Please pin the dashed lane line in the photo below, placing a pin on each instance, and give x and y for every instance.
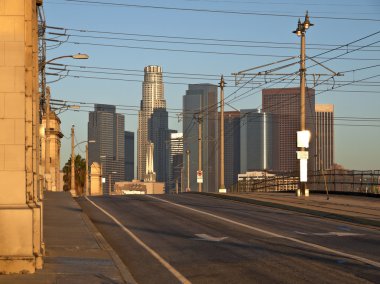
(319, 247)
(170, 268)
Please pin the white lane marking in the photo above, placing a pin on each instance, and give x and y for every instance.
(322, 248)
(176, 273)
(337, 234)
(206, 237)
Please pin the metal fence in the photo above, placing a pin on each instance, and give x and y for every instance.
(364, 182)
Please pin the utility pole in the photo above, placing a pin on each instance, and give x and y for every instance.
(188, 169)
(301, 32)
(47, 139)
(182, 179)
(87, 192)
(222, 187)
(200, 150)
(176, 185)
(72, 187)
(109, 184)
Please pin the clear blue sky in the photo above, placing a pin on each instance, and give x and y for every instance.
(261, 30)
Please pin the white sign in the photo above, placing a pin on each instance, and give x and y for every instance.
(302, 155)
(303, 170)
(303, 138)
(199, 176)
(103, 180)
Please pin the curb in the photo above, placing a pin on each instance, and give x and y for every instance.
(123, 269)
(334, 216)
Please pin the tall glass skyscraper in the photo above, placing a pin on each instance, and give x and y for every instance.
(106, 127)
(324, 136)
(153, 102)
(201, 98)
(256, 140)
(284, 105)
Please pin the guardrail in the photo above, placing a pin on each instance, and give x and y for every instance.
(363, 182)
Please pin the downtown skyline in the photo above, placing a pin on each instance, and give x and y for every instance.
(356, 105)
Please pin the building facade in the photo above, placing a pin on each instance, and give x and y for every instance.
(257, 141)
(129, 151)
(175, 160)
(159, 136)
(284, 105)
(54, 135)
(231, 147)
(21, 243)
(152, 99)
(324, 136)
(106, 127)
(200, 106)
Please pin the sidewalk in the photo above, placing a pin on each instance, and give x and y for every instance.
(354, 209)
(75, 250)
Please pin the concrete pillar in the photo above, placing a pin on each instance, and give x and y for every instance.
(96, 180)
(21, 245)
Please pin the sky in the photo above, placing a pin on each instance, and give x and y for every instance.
(197, 41)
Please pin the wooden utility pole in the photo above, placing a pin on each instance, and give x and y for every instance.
(222, 187)
(188, 169)
(72, 187)
(200, 150)
(87, 192)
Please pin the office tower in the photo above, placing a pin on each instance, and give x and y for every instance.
(324, 136)
(175, 159)
(256, 140)
(106, 127)
(129, 151)
(158, 135)
(152, 99)
(231, 147)
(284, 104)
(201, 99)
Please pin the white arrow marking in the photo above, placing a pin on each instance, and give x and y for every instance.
(338, 234)
(205, 237)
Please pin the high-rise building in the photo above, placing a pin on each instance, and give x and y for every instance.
(106, 127)
(175, 159)
(231, 147)
(324, 136)
(257, 143)
(284, 104)
(129, 151)
(200, 105)
(158, 135)
(152, 99)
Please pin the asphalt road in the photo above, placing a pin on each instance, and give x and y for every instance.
(201, 239)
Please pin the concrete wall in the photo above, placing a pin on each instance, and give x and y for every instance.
(21, 246)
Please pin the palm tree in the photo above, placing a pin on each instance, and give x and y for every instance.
(80, 174)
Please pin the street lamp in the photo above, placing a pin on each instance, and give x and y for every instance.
(301, 32)
(73, 145)
(47, 109)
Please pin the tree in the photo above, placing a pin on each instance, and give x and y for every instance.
(80, 174)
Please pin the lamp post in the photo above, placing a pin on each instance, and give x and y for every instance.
(222, 188)
(188, 170)
(47, 108)
(73, 145)
(301, 32)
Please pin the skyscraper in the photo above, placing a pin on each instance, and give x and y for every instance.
(284, 104)
(175, 159)
(324, 136)
(106, 127)
(152, 99)
(231, 147)
(129, 151)
(257, 148)
(201, 99)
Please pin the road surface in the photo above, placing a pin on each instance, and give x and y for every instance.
(200, 239)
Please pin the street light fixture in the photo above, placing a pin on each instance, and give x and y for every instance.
(47, 107)
(301, 32)
(73, 145)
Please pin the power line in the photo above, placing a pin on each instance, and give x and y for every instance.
(214, 11)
